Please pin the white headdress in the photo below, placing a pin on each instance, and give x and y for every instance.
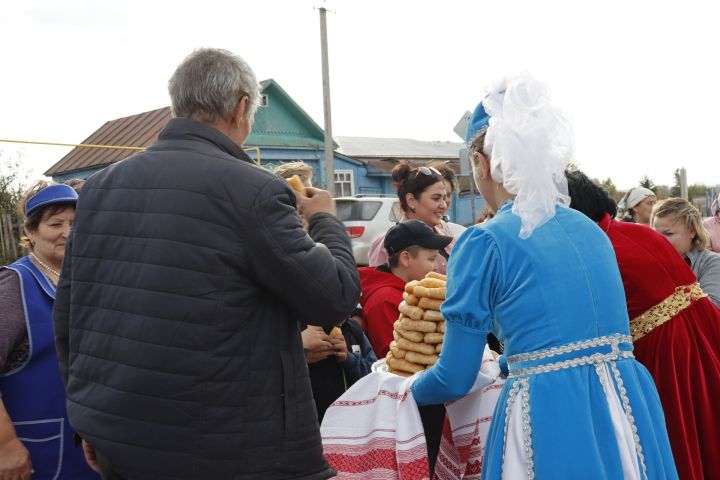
(529, 143)
(634, 196)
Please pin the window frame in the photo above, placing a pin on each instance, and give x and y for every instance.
(337, 182)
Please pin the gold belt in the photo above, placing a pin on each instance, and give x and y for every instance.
(680, 299)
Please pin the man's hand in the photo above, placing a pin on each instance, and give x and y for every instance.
(14, 460)
(90, 457)
(340, 348)
(317, 342)
(317, 201)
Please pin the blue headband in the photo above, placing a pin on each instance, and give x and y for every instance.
(51, 195)
(478, 120)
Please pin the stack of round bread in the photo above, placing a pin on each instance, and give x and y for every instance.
(419, 331)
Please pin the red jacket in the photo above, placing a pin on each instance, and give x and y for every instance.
(381, 294)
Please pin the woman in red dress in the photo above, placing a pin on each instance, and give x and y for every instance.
(675, 329)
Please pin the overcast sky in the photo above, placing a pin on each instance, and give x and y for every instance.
(639, 79)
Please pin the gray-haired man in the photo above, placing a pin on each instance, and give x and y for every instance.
(176, 317)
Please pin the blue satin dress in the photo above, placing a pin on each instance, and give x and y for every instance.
(576, 404)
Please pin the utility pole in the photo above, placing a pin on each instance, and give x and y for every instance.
(683, 183)
(329, 160)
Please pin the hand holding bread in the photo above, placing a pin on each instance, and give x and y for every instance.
(316, 201)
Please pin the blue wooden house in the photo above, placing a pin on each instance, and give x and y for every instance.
(384, 153)
(282, 132)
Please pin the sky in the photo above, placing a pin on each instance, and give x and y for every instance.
(638, 79)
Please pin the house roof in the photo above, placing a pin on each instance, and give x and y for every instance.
(283, 123)
(138, 130)
(399, 148)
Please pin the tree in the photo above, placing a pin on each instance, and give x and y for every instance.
(649, 184)
(697, 190)
(608, 186)
(675, 189)
(13, 178)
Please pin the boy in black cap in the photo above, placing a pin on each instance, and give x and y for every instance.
(412, 247)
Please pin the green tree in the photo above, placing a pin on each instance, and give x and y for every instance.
(649, 184)
(675, 189)
(608, 186)
(13, 179)
(697, 190)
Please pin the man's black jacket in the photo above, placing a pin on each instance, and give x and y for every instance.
(176, 315)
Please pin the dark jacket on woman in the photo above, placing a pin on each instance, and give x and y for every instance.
(176, 315)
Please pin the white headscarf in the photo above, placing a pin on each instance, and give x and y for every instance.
(530, 143)
(634, 196)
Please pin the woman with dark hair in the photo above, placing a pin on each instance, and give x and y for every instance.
(675, 329)
(541, 276)
(34, 429)
(451, 187)
(423, 196)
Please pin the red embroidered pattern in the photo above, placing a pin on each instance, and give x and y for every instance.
(369, 401)
(409, 464)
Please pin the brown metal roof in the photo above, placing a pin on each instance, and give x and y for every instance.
(387, 164)
(139, 130)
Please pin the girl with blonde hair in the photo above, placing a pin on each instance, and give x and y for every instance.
(680, 222)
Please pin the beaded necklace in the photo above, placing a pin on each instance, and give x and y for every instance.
(45, 265)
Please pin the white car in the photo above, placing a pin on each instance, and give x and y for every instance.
(366, 218)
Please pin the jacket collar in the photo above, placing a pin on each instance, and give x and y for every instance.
(183, 128)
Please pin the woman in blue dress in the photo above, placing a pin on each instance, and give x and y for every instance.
(544, 279)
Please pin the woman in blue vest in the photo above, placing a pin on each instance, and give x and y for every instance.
(35, 437)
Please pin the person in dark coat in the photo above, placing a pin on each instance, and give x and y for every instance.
(337, 357)
(343, 356)
(177, 312)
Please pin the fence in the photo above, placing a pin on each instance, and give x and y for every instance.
(9, 234)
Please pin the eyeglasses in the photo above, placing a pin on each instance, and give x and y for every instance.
(262, 101)
(428, 171)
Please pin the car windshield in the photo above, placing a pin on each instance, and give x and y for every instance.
(354, 210)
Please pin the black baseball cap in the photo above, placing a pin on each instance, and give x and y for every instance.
(414, 232)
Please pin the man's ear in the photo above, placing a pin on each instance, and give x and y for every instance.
(404, 260)
(240, 110)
